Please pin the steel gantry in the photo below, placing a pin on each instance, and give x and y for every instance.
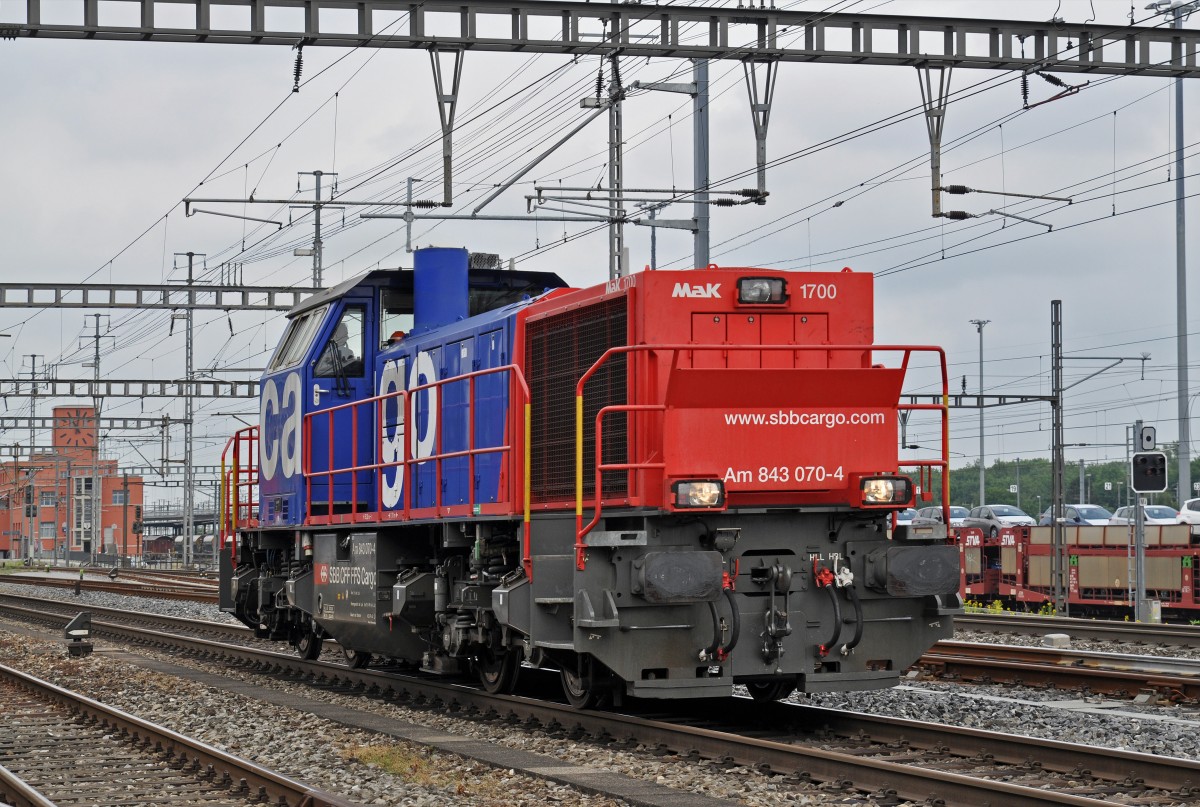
(132, 388)
(130, 295)
(674, 31)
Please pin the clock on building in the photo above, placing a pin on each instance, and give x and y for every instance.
(74, 427)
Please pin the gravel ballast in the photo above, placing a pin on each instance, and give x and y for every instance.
(334, 757)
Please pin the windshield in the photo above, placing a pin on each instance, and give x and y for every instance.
(959, 512)
(1006, 510)
(1159, 511)
(294, 344)
(1093, 513)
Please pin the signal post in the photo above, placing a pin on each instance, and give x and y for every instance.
(1147, 474)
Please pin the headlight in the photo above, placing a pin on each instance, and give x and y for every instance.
(759, 290)
(699, 493)
(886, 490)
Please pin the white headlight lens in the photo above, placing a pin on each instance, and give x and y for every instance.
(761, 290)
(699, 493)
(878, 491)
(886, 490)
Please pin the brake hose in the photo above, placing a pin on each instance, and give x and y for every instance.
(735, 628)
(852, 593)
(823, 649)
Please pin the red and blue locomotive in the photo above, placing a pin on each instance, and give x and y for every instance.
(661, 486)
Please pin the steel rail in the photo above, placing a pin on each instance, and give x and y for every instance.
(1112, 673)
(269, 785)
(161, 591)
(32, 607)
(764, 754)
(1103, 630)
(16, 792)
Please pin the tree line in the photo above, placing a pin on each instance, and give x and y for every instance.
(1105, 484)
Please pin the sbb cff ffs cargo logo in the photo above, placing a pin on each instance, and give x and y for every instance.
(1148, 472)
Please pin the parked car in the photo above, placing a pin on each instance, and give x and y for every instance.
(905, 517)
(1154, 514)
(991, 518)
(1190, 514)
(933, 515)
(1080, 514)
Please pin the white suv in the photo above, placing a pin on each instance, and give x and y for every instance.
(1189, 513)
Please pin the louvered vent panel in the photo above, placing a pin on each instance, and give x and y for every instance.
(560, 349)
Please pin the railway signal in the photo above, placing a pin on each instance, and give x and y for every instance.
(1148, 472)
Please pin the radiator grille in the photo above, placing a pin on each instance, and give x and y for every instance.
(560, 350)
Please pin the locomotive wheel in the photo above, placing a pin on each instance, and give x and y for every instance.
(356, 659)
(498, 671)
(578, 696)
(308, 645)
(770, 690)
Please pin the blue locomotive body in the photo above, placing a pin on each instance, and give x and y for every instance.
(371, 337)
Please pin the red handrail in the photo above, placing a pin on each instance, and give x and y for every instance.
(241, 477)
(406, 462)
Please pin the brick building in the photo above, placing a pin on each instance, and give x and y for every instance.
(48, 497)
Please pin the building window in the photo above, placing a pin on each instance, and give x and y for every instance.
(120, 496)
(47, 498)
(46, 529)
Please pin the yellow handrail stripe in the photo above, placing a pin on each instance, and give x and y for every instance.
(528, 454)
(578, 455)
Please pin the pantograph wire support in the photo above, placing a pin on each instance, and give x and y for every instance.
(934, 98)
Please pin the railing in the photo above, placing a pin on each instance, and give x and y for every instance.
(239, 475)
(581, 530)
(404, 465)
(925, 467)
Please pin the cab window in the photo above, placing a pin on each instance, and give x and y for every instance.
(296, 339)
(395, 315)
(342, 354)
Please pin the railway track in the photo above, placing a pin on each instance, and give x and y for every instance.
(127, 583)
(58, 747)
(1171, 635)
(1116, 674)
(856, 752)
(1124, 676)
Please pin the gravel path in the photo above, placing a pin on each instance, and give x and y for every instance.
(357, 764)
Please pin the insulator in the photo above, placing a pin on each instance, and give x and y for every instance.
(1025, 90)
(298, 69)
(957, 215)
(1055, 80)
(425, 203)
(599, 82)
(960, 189)
(723, 202)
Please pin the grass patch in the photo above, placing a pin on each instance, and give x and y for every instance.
(407, 763)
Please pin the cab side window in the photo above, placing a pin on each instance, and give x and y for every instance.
(343, 353)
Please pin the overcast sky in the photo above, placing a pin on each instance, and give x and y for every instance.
(102, 140)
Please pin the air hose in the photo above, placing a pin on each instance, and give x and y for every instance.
(735, 628)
